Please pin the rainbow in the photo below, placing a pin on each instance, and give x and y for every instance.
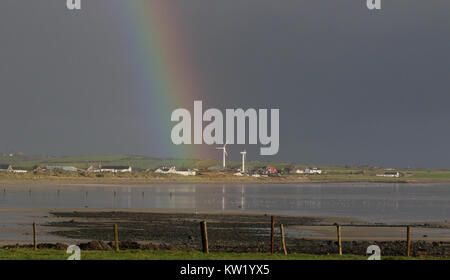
(161, 64)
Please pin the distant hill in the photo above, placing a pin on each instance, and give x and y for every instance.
(28, 162)
(14, 158)
(136, 161)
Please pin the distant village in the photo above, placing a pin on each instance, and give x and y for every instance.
(260, 172)
(95, 169)
(243, 170)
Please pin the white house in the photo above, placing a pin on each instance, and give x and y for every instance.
(241, 174)
(9, 168)
(390, 174)
(186, 172)
(116, 169)
(166, 170)
(313, 171)
(19, 171)
(173, 170)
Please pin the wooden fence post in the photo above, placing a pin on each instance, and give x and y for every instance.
(408, 241)
(34, 237)
(204, 233)
(116, 238)
(339, 239)
(283, 242)
(272, 230)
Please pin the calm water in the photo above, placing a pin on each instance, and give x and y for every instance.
(368, 201)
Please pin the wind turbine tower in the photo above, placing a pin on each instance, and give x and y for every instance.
(224, 154)
(244, 155)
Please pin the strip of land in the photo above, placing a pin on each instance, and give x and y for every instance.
(207, 171)
(213, 178)
(52, 254)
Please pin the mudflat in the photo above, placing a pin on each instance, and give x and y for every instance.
(249, 232)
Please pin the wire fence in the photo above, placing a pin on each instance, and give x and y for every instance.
(278, 233)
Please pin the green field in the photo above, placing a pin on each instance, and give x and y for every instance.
(136, 161)
(48, 254)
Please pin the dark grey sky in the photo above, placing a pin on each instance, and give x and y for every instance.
(353, 86)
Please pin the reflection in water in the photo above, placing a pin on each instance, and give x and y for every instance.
(370, 201)
(242, 197)
(223, 197)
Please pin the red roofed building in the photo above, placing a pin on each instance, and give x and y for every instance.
(271, 170)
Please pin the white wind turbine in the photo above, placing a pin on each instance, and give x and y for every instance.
(224, 153)
(244, 155)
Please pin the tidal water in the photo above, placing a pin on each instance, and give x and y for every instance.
(374, 202)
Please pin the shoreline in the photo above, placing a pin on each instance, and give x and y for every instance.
(244, 232)
(230, 231)
(265, 181)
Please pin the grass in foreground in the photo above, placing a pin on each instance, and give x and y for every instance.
(48, 254)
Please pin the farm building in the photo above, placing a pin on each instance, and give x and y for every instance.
(268, 170)
(313, 171)
(9, 168)
(390, 174)
(271, 170)
(115, 169)
(173, 170)
(93, 168)
(64, 168)
(37, 168)
(19, 171)
(165, 169)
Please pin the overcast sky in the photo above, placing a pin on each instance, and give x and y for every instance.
(353, 86)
